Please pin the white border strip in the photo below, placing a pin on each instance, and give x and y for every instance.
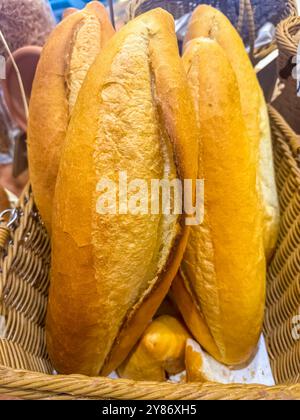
(266, 61)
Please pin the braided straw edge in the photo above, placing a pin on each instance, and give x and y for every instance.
(292, 138)
(37, 386)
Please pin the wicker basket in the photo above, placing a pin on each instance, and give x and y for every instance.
(246, 15)
(288, 103)
(25, 261)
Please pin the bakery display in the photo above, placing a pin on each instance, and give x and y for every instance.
(134, 114)
(131, 290)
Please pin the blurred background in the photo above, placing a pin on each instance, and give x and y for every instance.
(26, 24)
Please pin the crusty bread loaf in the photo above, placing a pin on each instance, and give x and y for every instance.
(160, 351)
(65, 60)
(111, 272)
(221, 287)
(209, 22)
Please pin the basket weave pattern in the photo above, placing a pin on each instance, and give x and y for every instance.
(24, 276)
(24, 282)
(246, 15)
(288, 38)
(283, 293)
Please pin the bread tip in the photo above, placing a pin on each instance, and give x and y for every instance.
(204, 8)
(195, 45)
(160, 12)
(95, 4)
(201, 40)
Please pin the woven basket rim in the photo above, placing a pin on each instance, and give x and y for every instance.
(285, 34)
(289, 133)
(246, 17)
(24, 384)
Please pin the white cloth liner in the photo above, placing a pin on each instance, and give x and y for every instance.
(258, 371)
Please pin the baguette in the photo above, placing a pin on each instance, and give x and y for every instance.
(220, 290)
(160, 351)
(209, 22)
(134, 114)
(65, 60)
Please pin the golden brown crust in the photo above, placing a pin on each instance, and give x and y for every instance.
(223, 268)
(69, 11)
(159, 352)
(178, 122)
(49, 109)
(194, 365)
(133, 105)
(207, 21)
(139, 319)
(107, 30)
(192, 314)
